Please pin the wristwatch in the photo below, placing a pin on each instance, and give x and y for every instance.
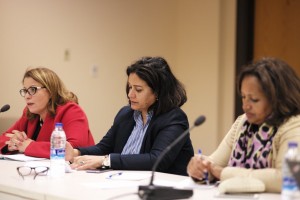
(106, 162)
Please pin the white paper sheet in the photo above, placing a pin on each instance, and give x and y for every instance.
(115, 184)
(20, 157)
(187, 183)
(128, 176)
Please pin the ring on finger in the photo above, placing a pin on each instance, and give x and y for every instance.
(82, 162)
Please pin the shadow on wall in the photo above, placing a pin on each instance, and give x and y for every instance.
(6, 122)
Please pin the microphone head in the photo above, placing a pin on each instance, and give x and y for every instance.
(199, 120)
(5, 108)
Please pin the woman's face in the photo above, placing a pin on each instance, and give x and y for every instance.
(36, 103)
(140, 95)
(255, 103)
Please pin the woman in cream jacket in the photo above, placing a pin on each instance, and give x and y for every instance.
(258, 140)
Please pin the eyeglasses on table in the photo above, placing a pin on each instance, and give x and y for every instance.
(25, 171)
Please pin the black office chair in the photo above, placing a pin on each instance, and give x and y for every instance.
(295, 168)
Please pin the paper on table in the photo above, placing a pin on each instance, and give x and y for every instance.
(117, 184)
(190, 184)
(120, 179)
(20, 157)
(128, 176)
(238, 196)
(187, 183)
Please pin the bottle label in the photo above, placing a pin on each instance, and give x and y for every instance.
(289, 183)
(57, 153)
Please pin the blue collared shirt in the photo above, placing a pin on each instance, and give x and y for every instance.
(134, 142)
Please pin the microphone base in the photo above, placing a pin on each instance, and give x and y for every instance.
(152, 192)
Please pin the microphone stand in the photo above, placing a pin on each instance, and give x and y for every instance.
(152, 192)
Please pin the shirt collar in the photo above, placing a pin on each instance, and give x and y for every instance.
(137, 115)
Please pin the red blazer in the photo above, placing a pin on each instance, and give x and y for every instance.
(75, 125)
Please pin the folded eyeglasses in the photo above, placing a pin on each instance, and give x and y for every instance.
(26, 170)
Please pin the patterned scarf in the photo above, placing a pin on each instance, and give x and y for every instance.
(254, 147)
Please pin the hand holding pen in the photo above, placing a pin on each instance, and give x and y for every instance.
(198, 168)
(205, 169)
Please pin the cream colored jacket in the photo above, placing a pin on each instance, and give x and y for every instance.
(289, 131)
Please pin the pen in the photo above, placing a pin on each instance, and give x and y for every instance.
(205, 173)
(116, 174)
(97, 170)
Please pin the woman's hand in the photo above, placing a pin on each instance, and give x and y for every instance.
(87, 162)
(216, 170)
(198, 167)
(16, 139)
(23, 145)
(71, 152)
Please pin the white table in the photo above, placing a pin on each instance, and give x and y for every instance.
(83, 185)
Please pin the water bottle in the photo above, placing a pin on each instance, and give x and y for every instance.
(289, 189)
(57, 151)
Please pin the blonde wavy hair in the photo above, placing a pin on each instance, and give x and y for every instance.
(59, 94)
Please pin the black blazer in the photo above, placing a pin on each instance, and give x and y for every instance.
(162, 131)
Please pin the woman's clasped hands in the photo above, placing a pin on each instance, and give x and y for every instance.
(18, 141)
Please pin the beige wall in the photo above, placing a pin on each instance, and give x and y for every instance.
(195, 36)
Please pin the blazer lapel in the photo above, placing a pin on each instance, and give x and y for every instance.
(31, 127)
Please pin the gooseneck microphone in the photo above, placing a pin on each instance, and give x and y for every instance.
(5, 108)
(152, 192)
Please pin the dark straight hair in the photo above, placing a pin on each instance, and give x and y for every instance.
(156, 72)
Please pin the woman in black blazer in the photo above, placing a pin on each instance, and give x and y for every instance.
(143, 129)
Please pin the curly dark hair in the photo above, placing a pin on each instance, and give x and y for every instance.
(280, 84)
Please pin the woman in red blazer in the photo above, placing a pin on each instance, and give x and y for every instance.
(47, 101)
